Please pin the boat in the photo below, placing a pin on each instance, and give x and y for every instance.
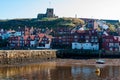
(100, 61)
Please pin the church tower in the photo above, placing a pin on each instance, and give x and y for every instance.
(50, 12)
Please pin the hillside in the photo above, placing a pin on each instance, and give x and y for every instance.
(41, 23)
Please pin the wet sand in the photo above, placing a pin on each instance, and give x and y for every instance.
(67, 62)
(112, 62)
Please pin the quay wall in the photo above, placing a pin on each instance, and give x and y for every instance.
(87, 54)
(25, 56)
(9, 57)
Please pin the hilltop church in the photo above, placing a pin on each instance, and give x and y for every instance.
(49, 14)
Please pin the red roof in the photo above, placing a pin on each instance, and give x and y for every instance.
(18, 38)
(32, 37)
(41, 35)
(49, 36)
(25, 37)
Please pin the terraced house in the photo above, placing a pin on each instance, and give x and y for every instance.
(87, 40)
(28, 40)
(78, 39)
(111, 43)
(93, 35)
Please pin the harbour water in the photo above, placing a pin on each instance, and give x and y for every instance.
(60, 71)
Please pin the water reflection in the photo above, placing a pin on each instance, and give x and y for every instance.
(53, 71)
(98, 71)
(26, 72)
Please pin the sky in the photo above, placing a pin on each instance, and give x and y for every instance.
(99, 9)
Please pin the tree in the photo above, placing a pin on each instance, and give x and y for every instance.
(112, 28)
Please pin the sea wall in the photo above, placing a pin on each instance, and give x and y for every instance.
(25, 56)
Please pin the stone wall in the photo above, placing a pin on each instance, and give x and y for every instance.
(25, 56)
(10, 57)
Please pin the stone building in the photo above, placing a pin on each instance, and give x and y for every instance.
(49, 14)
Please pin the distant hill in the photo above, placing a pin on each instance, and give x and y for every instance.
(41, 23)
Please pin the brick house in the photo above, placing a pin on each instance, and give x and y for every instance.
(111, 43)
(90, 23)
(44, 41)
(62, 38)
(66, 40)
(30, 41)
(86, 40)
(13, 42)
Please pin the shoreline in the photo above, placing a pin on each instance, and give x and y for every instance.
(26, 57)
(108, 62)
(70, 62)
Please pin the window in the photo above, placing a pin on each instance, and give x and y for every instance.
(75, 37)
(116, 44)
(63, 36)
(75, 40)
(107, 40)
(92, 40)
(110, 44)
(36, 38)
(12, 45)
(92, 30)
(63, 39)
(50, 10)
(60, 40)
(67, 42)
(111, 49)
(96, 37)
(21, 38)
(60, 32)
(42, 42)
(45, 38)
(92, 37)
(116, 49)
(111, 40)
(96, 40)
(87, 37)
(87, 40)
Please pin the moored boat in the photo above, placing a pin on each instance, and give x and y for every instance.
(100, 61)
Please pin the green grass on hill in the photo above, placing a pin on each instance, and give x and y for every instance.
(40, 23)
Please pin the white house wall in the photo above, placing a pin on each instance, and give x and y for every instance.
(32, 42)
(4, 36)
(76, 45)
(73, 45)
(18, 34)
(95, 46)
(87, 46)
(47, 45)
